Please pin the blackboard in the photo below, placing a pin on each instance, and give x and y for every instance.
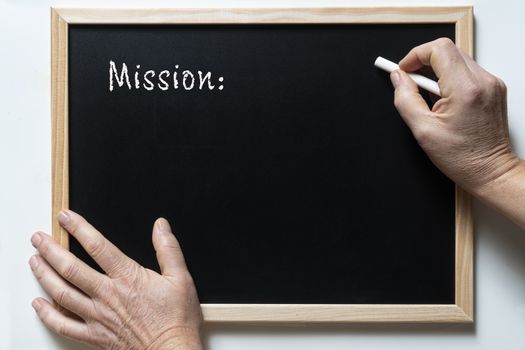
(287, 174)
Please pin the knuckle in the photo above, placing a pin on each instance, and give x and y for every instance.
(102, 287)
(62, 297)
(496, 84)
(38, 272)
(102, 337)
(122, 268)
(129, 275)
(172, 245)
(73, 224)
(472, 92)
(445, 43)
(398, 101)
(61, 329)
(422, 133)
(400, 98)
(96, 247)
(185, 280)
(492, 82)
(70, 270)
(76, 224)
(446, 52)
(403, 101)
(44, 247)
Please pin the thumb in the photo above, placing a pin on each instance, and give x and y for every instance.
(409, 103)
(169, 253)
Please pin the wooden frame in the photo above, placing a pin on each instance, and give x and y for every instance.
(460, 312)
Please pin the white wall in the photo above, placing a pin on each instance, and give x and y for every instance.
(25, 196)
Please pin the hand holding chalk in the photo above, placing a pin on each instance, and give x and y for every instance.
(421, 81)
(467, 136)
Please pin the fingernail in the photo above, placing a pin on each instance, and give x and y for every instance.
(163, 226)
(36, 305)
(33, 262)
(63, 217)
(36, 240)
(394, 77)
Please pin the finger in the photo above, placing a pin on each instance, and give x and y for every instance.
(409, 103)
(58, 289)
(169, 253)
(471, 64)
(438, 54)
(67, 265)
(444, 58)
(106, 255)
(59, 323)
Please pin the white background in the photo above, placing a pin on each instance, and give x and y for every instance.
(25, 192)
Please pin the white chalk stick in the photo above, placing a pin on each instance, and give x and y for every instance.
(421, 81)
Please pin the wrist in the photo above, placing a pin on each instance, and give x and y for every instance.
(506, 193)
(179, 339)
(511, 171)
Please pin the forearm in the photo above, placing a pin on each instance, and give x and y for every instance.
(506, 193)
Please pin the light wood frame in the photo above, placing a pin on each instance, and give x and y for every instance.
(459, 312)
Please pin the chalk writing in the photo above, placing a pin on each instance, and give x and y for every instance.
(164, 80)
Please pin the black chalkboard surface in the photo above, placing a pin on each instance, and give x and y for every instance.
(292, 180)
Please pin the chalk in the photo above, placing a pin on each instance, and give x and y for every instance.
(421, 81)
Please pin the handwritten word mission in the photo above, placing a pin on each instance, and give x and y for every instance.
(163, 80)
